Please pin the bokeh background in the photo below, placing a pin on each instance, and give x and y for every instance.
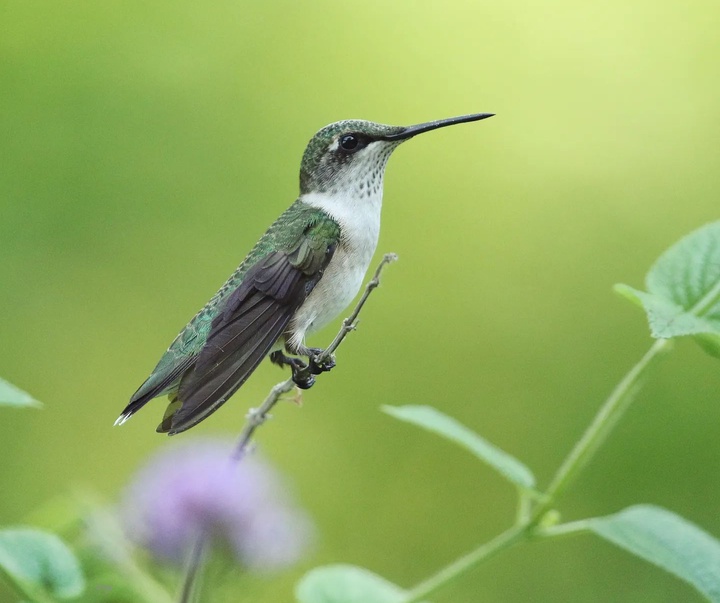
(145, 146)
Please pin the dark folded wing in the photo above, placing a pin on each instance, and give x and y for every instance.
(161, 381)
(253, 319)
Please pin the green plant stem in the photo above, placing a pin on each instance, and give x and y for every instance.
(458, 567)
(603, 423)
(527, 522)
(189, 590)
(148, 587)
(103, 528)
(571, 528)
(524, 506)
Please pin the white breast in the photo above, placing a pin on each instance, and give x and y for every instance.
(358, 214)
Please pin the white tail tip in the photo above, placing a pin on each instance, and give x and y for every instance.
(122, 418)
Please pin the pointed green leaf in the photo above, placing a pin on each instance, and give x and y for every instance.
(39, 562)
(346, 584)
(14, 396)
(629, 293)
(667, 540)
(683, 288)
(688, 273)
(433, 420)
(665, 318)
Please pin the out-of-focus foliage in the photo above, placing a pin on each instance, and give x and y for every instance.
(40, 565)
(11, 395)
(683, 295)
(668, 541)
(145, 147)
(346, 584)
(433, 420)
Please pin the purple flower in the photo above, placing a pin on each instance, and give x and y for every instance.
(194, 487)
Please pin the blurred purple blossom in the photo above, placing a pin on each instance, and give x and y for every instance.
(195, 486)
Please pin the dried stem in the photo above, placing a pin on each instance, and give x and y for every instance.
(257, 416)
(351, 322)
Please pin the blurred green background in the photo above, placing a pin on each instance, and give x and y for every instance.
(146, 146)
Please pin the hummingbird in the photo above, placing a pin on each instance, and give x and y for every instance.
(304, 271)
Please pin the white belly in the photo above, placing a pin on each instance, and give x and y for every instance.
(360, 226)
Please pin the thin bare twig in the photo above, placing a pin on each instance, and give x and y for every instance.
(257, 416)
(350, 323)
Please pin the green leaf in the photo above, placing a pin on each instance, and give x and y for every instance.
(689, 271)
(665, 318)
(667, 540)
(433, 420)
(13, 396)
(683, 288)
(38, 563)
(346, 584)
(629, 293)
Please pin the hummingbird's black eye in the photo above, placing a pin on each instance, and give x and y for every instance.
(349, 142)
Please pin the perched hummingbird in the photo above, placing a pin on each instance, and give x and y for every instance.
(301, 274)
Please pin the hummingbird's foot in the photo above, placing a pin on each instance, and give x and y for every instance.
(302, 379)
(313, 354)
(282, 360)
(320, 367)
(302, 375)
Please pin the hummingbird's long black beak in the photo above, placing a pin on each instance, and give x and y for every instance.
(411, 131)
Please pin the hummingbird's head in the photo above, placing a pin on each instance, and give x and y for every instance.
(349, 153)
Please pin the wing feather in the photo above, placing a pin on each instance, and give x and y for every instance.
(255, 316)
(206, 386)
(223, 344)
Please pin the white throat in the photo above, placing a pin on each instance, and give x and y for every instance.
(356, 210)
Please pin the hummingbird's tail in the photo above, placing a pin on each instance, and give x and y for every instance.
(233, 351)
(162, 381)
